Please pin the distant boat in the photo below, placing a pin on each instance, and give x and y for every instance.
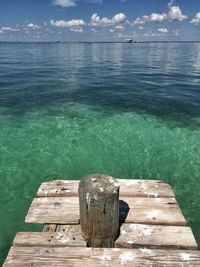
(130, 41)
(57, 42)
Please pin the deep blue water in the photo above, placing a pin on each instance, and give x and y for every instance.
(68, 110)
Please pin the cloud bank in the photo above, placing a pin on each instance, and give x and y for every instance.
(68, 24)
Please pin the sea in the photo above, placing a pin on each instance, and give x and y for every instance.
(72, 109)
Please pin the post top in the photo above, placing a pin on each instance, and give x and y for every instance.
(100, 183)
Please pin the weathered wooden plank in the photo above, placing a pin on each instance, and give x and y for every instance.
(60, 227)
(128, 187)
(155, 236)
(113, 257)
(50, 228)
(55, 210)
(63, 210)
(71, 238)
(57, 188)
(131, 236)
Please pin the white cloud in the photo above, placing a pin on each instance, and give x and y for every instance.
(9, 29)
(171, 3)
(196, 19)
(163, 30)
(156, 17)
(68, 24)
(141, 28)
(175, 13)
(138, 21)
(76, 29)
(119, 27)
(97, 20)
(1, 31)
(119, 18)
(64, 3)
(33, 26)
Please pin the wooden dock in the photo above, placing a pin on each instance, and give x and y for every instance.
(153, 230)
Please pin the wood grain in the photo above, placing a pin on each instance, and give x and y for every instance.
(63, 210)
(48, 239)
(155, 236)
(50, 228)
(99, 210)
(100, 257)
(128, 187)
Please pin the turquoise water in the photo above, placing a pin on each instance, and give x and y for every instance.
(68, 110)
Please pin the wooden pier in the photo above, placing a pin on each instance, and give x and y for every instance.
(151, 229)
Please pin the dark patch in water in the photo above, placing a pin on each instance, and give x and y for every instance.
(173, 110)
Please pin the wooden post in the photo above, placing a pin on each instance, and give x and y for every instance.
(99, 210)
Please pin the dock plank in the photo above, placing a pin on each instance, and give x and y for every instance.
(98, 257)
(155, 236)
(64, 210)
(131, 236)
(48, 239)
(128, 187)
(152, 233)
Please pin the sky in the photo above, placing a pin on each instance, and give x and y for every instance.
(99, 20)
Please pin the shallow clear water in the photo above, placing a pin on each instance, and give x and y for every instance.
(68, 110)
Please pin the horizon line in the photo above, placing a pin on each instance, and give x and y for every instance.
(122, 42)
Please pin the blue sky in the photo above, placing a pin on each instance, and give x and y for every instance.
(99, 20)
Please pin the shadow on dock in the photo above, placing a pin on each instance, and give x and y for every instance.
(123, 213)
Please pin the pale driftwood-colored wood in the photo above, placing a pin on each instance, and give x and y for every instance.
(54, 210)
(62, 210)
(99, 210)
(70, 238)
(57, 188)
(128, 187)
(49, 228)
(153, 220)
(141, 235)
(100, 257)
(155, 236)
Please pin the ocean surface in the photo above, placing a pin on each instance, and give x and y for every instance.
(68, 110)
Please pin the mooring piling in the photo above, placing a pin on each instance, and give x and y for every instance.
(99, 210)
